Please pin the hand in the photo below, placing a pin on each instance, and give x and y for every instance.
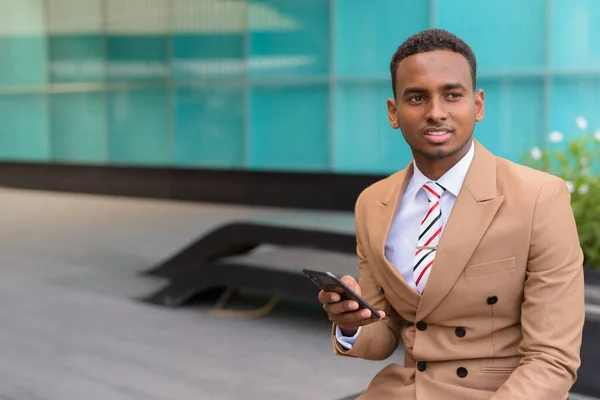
(345, 314)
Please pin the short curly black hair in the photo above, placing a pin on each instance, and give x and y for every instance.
(430, 40)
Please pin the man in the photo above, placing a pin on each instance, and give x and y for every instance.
(473, 260)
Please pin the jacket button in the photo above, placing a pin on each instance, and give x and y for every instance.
(462, 372)
(381, 289)
(492, 300)
(422, 326)
(461, 332)
(422, 366)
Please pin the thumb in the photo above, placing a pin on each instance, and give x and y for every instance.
(352, 284)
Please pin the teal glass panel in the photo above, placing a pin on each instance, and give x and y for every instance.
(209, 127)
(363, 139)
(571, 98)
(288, 38)
(514, 116)
(138, 127)
(575, 34)
(368, 33)
(504, 35)
(208, 56)
(289, 128)
(78, 127)
(23, 124)
(22, 61)
(137, 58)
(77, 58)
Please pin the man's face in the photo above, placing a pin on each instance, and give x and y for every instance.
(436, 106)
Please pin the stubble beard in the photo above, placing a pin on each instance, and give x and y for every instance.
(441, 154)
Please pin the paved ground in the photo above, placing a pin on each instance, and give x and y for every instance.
(71, 328)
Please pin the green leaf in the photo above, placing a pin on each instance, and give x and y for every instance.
(569, 163)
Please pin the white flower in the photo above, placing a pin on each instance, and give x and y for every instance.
(581, 123)
(571, 186)
(536, 153)
(556, 137)
(583, 189)
(597, 135)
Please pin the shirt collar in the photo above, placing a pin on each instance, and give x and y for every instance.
(453, 179)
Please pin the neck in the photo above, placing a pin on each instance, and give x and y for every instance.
(435, 168)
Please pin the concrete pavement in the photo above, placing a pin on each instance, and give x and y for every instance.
(71, 328)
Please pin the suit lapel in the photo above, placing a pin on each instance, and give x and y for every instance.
(473, 211)
(383, 216)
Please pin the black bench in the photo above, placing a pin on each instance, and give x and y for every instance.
(588, 379)
(230, 256)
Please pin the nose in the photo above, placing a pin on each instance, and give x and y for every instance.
(436, 112)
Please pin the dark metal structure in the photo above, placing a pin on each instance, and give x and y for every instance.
(225, 257)
(588, 379)
(230, 256)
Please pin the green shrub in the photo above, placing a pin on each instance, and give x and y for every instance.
(577, 161)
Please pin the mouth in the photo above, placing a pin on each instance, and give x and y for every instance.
(437, 135)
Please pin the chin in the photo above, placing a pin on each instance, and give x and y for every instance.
(438, 155)
(439, 152)
(442, 150)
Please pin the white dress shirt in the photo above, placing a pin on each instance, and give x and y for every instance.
(401, 242)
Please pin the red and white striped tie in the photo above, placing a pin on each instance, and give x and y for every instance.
(429, 235)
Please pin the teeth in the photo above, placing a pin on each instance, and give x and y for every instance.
(440, 133)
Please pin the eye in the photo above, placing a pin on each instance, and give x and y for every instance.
(454, 95)
(416, 99)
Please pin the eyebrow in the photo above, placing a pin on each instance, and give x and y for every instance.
(420, 90)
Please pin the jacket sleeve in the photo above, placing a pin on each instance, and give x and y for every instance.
(378, 340)
(553, 311)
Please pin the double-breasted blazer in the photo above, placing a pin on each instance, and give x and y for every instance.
(502, 314)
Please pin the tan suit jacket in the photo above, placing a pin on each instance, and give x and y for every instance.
(502, 314)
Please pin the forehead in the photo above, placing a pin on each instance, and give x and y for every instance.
(433, 69)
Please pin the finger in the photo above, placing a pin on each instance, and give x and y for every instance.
(328, 297)
(353, 319)
(322, 297)
(374, 318)
(351, 283)
(341, 307)
(349, 280)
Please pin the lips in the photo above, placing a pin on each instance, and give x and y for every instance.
(437, 135)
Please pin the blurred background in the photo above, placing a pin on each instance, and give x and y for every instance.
(213, 117)
(273, 84)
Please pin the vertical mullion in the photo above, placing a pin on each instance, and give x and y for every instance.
(104, 10)
(169, 83)
(433, 14)
(547, 72)
(332, 84)
(47, 87)
(246, 88)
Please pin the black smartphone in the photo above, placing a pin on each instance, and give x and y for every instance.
(329, 282)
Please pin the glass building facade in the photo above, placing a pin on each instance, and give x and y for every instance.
(283, 85)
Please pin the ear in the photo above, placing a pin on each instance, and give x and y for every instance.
(479, 105)
(392, 113)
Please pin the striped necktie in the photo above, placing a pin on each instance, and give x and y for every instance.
(429, 235)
